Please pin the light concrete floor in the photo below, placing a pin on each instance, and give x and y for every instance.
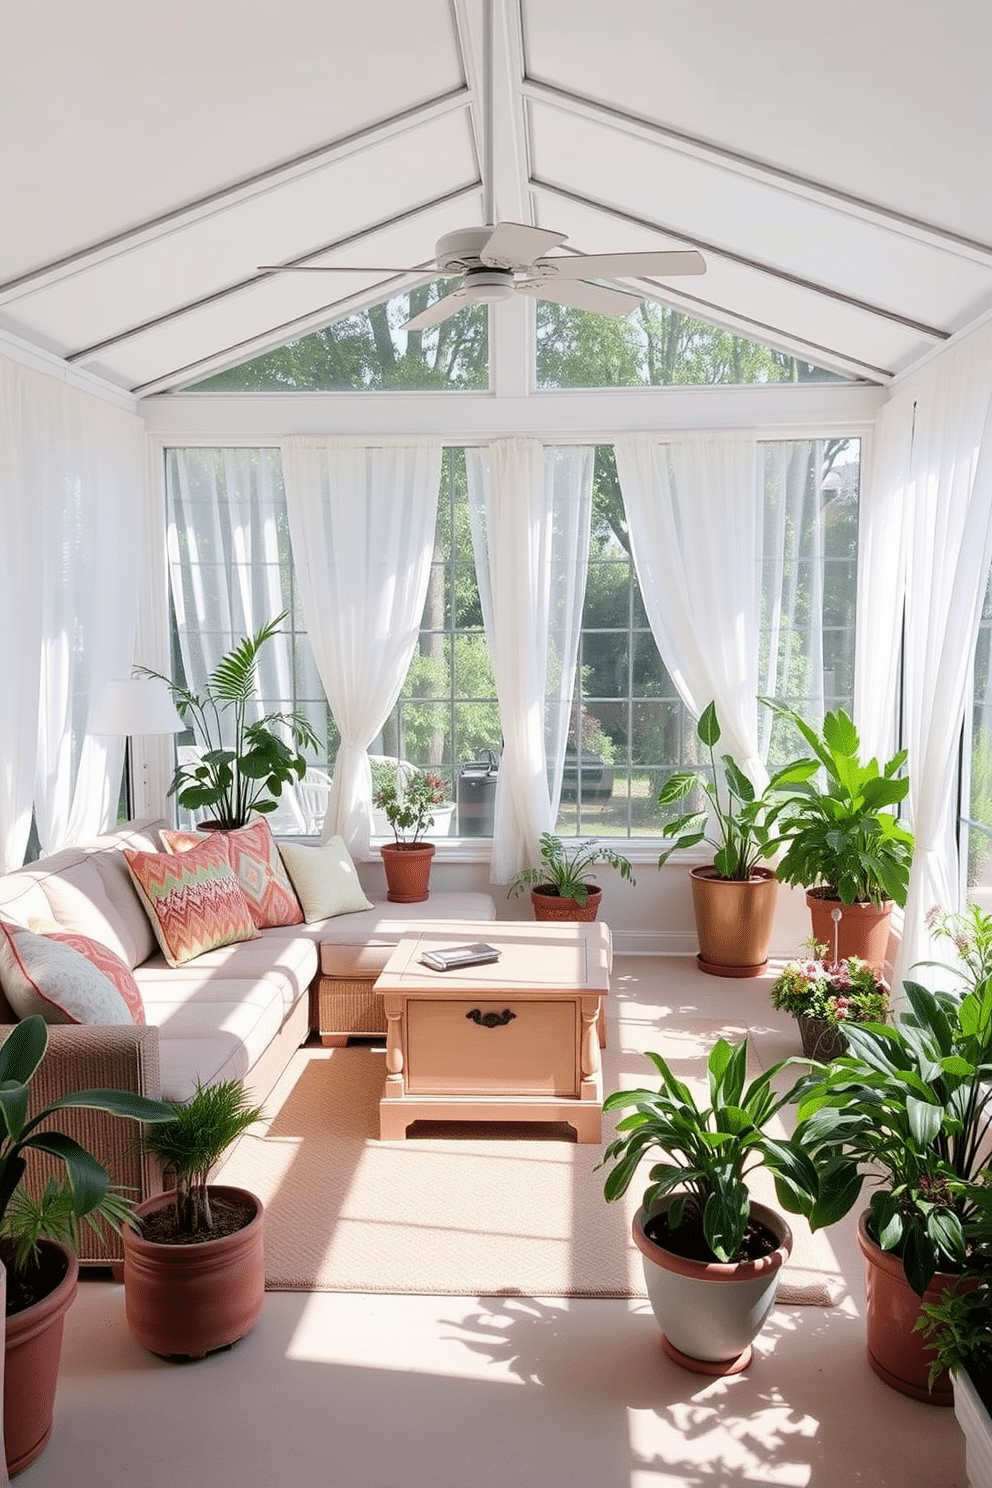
(362, 1391)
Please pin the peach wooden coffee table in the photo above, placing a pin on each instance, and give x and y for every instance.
(514, 1040)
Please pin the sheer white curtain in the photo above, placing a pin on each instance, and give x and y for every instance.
(949, 549)
(883, 537)
(229, 574)
(791, 551)
(694, 512)
(73, 494)
(530, 509)
(362, 521)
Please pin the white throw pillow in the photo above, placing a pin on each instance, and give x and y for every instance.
(324, 878)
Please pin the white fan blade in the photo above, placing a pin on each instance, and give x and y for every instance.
(582, 296)
(441, 310)
(622, 265)
(514, 245)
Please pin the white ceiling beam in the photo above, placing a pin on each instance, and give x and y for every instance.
(716, 250)
(227, 198)
(803, 187)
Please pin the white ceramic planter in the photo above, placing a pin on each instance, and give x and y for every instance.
(709, 1315)
(977, 1427)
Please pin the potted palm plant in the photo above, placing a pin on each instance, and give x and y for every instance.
(242, 766)
(842, 841)
(733, 897)
(908, 1108)
(38, 1229)
(194, 1266)
(561, 886)
(408, 798)
(697, 1227)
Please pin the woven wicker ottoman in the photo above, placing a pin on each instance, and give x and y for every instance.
(354, 949)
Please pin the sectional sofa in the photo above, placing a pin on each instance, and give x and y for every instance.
(238, 1010)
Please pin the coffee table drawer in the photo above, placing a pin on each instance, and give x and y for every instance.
(471, 1047)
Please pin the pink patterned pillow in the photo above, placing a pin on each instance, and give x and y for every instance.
(39, 975)
(253, 855)
(103, 959)
(193, 900)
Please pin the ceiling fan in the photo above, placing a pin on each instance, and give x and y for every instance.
(493, 263)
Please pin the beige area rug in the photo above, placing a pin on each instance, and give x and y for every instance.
(463, 1210)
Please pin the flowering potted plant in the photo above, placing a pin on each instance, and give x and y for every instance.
(824, 995)
(408, 798)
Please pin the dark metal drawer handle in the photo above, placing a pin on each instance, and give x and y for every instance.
(490, 1020)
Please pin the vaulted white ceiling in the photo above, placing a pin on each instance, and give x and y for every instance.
(829, 160)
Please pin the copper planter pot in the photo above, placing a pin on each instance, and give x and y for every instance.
(408, 871)
(31, 1364)
(188, 1300)
(862, 930)
(733, 921)
(897, 1352)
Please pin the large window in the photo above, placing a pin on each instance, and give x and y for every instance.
(231, 560)
(976, 823)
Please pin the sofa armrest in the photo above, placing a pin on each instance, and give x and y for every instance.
(84, 1057)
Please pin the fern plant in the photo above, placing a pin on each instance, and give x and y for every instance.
(242, 766)
(565, 869)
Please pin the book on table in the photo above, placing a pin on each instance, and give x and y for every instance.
(449, 958)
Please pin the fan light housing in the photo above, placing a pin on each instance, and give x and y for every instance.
(484, 286)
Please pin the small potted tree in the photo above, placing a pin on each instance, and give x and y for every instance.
(38, 1227)
(698, 1227)
(733, 897)
(408, 798)
(241, 766)
(842, 841)
(562, 887)
(194, 1268)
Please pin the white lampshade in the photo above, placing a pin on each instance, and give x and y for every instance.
(134, 706)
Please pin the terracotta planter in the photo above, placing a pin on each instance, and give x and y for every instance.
(408, 871)
(710, 1315)
(550, 906)
(899, 1355)
(733, 921)
(863, 929)
(821, 1039)
(969, 1407)
(31, 1364)
(188, 1300)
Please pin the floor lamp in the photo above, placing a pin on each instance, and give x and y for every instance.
(132, 707)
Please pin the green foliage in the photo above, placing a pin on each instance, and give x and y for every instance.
(710, 1150)
(192, 1143)
(740, 816)
(566, 870)
(843, 837)
(86, 1190)
(958, 1326)
(248, 773)
(909, 1105)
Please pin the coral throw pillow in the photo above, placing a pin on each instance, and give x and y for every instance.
(193, 899)
(103, 959)
(41, 975)
(254, 857)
